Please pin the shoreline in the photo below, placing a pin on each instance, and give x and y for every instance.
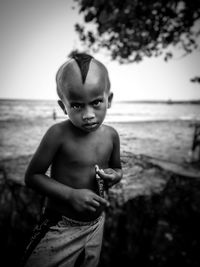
(162, 142)
(18, 138)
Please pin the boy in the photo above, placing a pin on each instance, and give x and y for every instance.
(71, 229)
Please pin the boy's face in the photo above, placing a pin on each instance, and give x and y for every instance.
(86, 104)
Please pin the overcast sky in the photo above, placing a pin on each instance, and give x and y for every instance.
(37, 36)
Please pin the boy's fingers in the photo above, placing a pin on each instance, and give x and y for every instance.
(100, 172)
(97, 168)
(102, 200)
(105, 175)
(95, 203)
(91, 208)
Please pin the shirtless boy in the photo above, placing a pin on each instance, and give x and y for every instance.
(70, 232)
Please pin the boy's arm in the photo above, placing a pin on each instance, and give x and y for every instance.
(35, 174)
(36, 178)
(113, 174)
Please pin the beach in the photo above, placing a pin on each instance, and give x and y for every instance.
(156, 133)
(159, 183)
(169, 141)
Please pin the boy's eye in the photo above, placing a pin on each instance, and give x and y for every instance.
(97, 103)
(76, 106)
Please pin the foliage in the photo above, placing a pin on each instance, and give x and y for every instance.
(132, 29)
(195, 79)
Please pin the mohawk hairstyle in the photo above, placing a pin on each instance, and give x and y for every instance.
(83, 61)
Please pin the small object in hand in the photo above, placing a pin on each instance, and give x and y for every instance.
(100, 182)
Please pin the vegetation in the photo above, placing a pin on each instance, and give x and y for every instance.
(131, 30)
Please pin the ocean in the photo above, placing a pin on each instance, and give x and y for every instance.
(13, 110)
(161, 130)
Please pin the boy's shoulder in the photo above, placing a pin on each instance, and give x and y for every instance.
(58, 128)
(111, 130)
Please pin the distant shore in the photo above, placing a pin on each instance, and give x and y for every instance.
(168, 101)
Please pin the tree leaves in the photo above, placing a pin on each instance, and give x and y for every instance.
(132, 29)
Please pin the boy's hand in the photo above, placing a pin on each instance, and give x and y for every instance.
(85, 199)
(110, 176)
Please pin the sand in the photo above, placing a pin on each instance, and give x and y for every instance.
(166, 141)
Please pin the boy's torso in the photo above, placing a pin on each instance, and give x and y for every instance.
(75, 160)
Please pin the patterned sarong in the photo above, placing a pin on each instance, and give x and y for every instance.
(58, 241)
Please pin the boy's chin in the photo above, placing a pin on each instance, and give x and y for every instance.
(90, 128)
(87, 128)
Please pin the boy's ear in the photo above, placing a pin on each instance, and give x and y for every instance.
(60, 103)
(110, 98)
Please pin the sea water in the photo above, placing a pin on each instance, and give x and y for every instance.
(119, 111)
(24, 122)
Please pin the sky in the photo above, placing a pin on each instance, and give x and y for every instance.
(38, 35)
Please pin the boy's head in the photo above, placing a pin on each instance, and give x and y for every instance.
(84, 89)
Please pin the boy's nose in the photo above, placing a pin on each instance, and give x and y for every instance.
(88, 114)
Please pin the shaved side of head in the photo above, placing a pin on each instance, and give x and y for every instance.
(75, 71)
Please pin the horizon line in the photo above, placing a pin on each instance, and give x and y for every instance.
(169, 101)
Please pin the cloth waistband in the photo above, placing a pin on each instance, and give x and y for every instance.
(52, 215)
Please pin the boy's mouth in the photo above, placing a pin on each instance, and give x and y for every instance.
(90, 126)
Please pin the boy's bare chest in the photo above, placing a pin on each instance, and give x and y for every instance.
(86, 150)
